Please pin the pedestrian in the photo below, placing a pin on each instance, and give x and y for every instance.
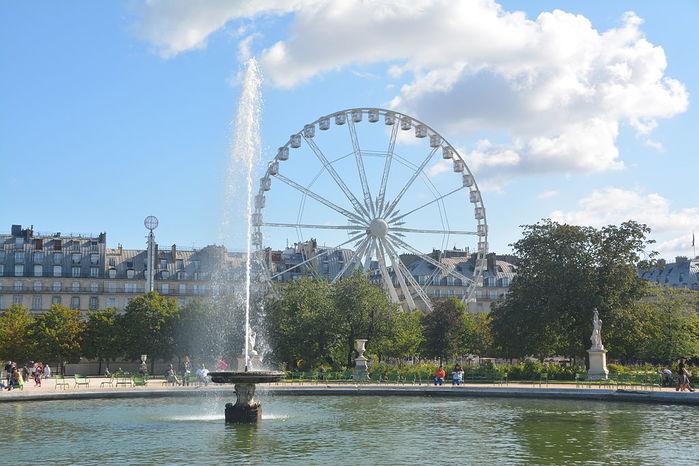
(8, 372)
(683, 376)
(203, 375)
(171, 376)
(186, 370)
(47, 371)
(221, 365)
(439, 376)
(38, 373)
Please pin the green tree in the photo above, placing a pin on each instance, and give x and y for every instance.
(103, 336)
(406, 336)
(15, 341)
(478, 336)
(149, 327)
(302, 325)
(364, 311)
(445, 328)
(59, 334)
(565, 272)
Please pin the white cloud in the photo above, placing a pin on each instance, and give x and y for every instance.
(559, 88)
(670, 227)
(547, 194)
(654, 144)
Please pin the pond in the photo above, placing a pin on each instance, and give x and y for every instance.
(352, 430)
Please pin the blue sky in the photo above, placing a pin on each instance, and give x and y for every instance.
(113, 111)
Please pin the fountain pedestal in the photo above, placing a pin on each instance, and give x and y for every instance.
(245, 410)
(361, 368)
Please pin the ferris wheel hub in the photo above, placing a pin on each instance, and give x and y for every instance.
(378, 228)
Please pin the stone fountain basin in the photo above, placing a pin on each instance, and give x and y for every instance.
(246, 377)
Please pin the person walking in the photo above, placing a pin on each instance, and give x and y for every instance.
(47, 371)
(38, 373)
(683, 376)
(8, 372)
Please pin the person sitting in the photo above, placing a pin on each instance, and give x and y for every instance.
(203, 375)
(457, 375)
(17, 380)
(439, 376)
(171, 376)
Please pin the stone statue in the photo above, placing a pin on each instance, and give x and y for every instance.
(251, 342)
(596, 337)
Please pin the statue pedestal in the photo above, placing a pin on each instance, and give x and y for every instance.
(598, 364)
(255, 363)
(361, 368)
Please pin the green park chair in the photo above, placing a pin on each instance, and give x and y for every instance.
(139, 380)
(81, 380)
(61, 382)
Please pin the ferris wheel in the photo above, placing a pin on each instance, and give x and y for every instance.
(386, 189)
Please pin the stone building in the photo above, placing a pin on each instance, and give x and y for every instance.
(80, 271)
(683, 273)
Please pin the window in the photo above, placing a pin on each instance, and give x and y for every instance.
(163, 263)
(450, 280)
(55, 300)
(19, 257)
(57, 270)
(75, 272)
(111, 302)
(112, 261)
(75, 258)
(180, 302)
(198, 289)
(75, 286)
(56, 286)
(19, 242)
(17, 300)
(19, 270)
(93, 303)
(94, 272)
(94, 246)
(36, 302)
(75, 302)
(38, 271)
(57, 258)
(130, 287)
(57, 244)
(165, 275)
(165, 288)
(94, 259)
(2, 302)
(505, 282)
(76, 245)
(180, 264)
(38, 257)
(18, 285)
(2, 256)
(111, 287)
(37, 286)
(111, 273)
(129, 273)
(2, 269)
(94, 287)
(183, 289)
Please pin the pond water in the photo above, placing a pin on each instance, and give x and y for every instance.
(352, 430)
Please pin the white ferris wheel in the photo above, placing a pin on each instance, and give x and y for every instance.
(384, 186)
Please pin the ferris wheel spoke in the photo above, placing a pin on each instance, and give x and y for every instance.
(410, 182)
(357, 254)
(414, 284)
(395, 263)
(328, 166)
(319, 198)
(426, 204)
(369, 253)
(387, 281)
(317, 256)
(387, 168)
(360, 167)
(317, 227)
(465, 280)
(438, 232)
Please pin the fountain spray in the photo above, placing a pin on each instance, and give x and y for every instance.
(245, 153)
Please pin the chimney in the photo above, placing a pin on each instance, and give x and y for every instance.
(16, 230)
(680, 260)
(490, 259)
(103, 238)
(173, 252)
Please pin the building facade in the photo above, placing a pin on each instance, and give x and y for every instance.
(683, 273)
(79, 271)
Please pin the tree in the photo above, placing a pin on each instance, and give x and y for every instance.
(477, 336)
(59, 334)
(445, 327)
(103, 336)
(565, 272)
(661, 327)
(364, 311)
(15, 341)
(406, 336)
(149, 326)
(302, 324)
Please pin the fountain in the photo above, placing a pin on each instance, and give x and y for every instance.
(245, 151)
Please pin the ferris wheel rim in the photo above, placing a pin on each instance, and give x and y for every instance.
(370, 216)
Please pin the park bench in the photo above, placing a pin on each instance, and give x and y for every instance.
(62, 382)
(81, 380)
